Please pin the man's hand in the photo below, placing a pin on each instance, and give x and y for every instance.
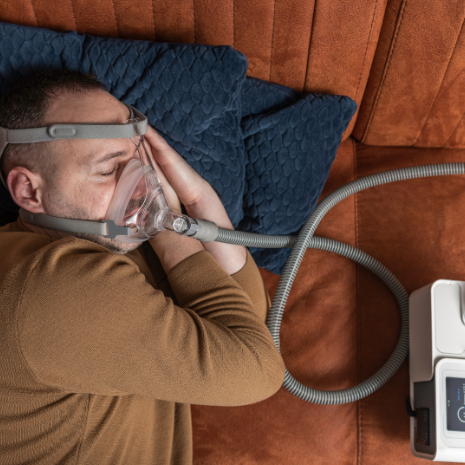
(198, 197)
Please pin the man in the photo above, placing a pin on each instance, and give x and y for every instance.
(103, 344)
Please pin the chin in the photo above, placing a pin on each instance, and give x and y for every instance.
(119, 247)
(115, 246)
(110, 244)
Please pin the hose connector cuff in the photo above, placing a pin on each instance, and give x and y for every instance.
(202, 230)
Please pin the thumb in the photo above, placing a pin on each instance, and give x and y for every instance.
(163, 153)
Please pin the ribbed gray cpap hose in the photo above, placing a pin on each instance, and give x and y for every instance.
(305, 240)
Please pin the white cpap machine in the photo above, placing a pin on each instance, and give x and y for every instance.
(437, 371)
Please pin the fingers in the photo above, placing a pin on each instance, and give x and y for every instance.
(158, 144)
(165, 155)
(170, 194)
(187, 183)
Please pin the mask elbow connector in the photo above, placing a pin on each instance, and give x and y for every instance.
(202, 230)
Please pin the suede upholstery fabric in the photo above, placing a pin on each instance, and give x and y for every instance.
(289, 42)
(341, 323)
(418, 78)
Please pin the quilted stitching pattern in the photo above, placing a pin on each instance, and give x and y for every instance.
(27, 50)
(291, 141)
(266, 149)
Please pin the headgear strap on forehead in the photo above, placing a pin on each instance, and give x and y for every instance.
(73, 131)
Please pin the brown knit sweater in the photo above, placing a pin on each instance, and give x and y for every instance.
(101, 354)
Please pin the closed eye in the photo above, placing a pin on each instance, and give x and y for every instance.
(111, 172)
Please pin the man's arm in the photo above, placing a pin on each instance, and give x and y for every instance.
(89, 322)
(181, 181)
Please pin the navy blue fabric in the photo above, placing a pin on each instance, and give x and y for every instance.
(266, 149)
(291, 140)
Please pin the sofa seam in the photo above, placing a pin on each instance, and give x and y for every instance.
(357, 313)
(272, 39)
(460, 120)
(439, 90)
(116, 19)
(453, 132)
(309, 45)
(195, 24)
(383, 79)
(74, 15)
(153, 18)
(366, 50)
(34, 11)
(234, 23)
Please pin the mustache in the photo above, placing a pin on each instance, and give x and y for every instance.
(134, 206)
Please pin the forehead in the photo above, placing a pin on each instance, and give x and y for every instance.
(86, 107)
(97, 107)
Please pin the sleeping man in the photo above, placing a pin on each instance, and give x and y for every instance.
(104, 342)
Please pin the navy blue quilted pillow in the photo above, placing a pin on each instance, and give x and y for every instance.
(266, 149)
(291, 140)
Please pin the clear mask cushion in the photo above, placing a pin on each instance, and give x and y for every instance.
(139, 202)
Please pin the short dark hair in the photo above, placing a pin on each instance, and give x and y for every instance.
(25, 105)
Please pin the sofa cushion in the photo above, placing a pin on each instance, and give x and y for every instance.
(414, 95)
(414, 228)
(325, 46)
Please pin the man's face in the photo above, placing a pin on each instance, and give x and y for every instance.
(86, 172)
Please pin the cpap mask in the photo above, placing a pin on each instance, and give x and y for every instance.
(138, 202)
(138, 209)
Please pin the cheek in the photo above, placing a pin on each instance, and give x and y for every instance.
(92, 198)
(98, 198)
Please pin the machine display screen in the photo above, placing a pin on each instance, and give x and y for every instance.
(455, 388)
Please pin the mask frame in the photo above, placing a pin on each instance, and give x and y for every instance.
(145, 214)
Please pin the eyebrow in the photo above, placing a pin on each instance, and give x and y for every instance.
(121, 153)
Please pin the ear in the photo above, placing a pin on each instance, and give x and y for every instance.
(26, 189)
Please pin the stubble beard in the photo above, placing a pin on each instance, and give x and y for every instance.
(66, 209)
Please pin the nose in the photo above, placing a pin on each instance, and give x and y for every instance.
(133, 154)
(140, 190)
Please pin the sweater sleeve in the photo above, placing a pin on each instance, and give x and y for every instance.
(90, 323)
(250, 280)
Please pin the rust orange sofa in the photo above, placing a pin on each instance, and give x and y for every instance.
(403, 61)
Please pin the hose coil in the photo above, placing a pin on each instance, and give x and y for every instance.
(306, 239)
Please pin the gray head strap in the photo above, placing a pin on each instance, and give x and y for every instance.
(106, 228)
(73, 131)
